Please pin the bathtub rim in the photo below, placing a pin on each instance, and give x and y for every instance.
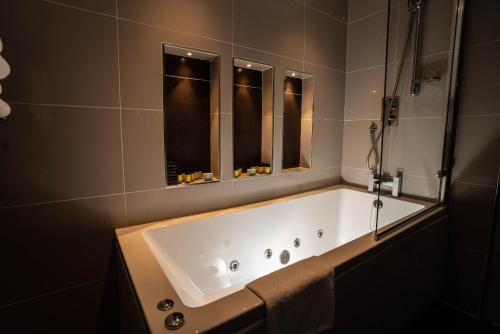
(241, 308)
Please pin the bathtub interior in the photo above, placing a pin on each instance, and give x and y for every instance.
(196, 255)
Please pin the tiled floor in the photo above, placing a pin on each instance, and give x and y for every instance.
(442, 319)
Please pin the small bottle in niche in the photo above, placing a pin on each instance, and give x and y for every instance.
(267, 168)
(188, 178)
(237, 171)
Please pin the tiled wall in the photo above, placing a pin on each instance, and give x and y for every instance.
(82, 153)
(477, 166)
(416, 143)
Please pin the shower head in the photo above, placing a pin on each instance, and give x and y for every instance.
(414, 5)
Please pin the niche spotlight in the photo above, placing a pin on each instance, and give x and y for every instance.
(249, 65)
(189, 53)
(293, 74)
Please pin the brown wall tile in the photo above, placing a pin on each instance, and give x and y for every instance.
(361, 8)
(478, 95)
(476, 151)
(74, 310)
(53, 153)
(102, 6)
(56, 245)
(72, 60)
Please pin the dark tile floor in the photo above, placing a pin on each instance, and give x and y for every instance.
(443, 319)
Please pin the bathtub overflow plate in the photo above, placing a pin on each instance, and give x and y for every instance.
(296, 242)
(284, 257)
(234, 265)
(320, 233)
(268, 253)
(174, 321)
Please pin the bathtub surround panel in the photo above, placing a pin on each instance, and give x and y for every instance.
(421, 279)
(120, 89)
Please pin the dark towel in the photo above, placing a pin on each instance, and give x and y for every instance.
(299, 298)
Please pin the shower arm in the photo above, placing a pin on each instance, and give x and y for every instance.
(415, 81)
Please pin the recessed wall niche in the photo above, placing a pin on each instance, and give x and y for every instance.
(252, 118)
(297, 120)
(191, 109)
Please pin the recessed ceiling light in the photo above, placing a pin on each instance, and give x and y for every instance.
(293, 74)
(189, 53)
(249, 65)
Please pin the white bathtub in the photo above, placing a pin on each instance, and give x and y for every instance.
(195, 256)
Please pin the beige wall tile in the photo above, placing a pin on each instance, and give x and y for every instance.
(325, 41)
(361, 8)
(366, 42)
(363, 94)
(327, 144)
(335, 8)
(318, 178)
(329, 86)
(482, 22)
(356, 143)
(416, 146)
(273, 19)
(226, 146)
(141, 64)
(143, 149)
(149, 206)
(54, 153)
(418, 186)
(357, 176)
(209, 18)
(263, 188)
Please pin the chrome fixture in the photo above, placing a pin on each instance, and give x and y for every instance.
(390, 104)
(174, 321)
(415, 8)
(268, 253)
(296, 242)
(378, 204)
(284, 257)
(165, 305)
(320, 233)
(234, 265)
(376, 181)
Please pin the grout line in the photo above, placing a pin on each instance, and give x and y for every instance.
(140, 109)
(367, 16)
(325, 13)
(362, 120)
(193, 34)
(475, 184)
(186, 78)
(79, 8)
(304, 39)
(174, 30)
(479, 116)
(58, 201)
(245, 86)
(60, 105)
(51, 293)
(121, 118)
(483, 44)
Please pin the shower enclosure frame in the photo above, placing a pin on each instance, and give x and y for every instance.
(447, 159)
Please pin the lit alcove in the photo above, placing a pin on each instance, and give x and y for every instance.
(191, 109)
(297, 120)
(252, 118)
